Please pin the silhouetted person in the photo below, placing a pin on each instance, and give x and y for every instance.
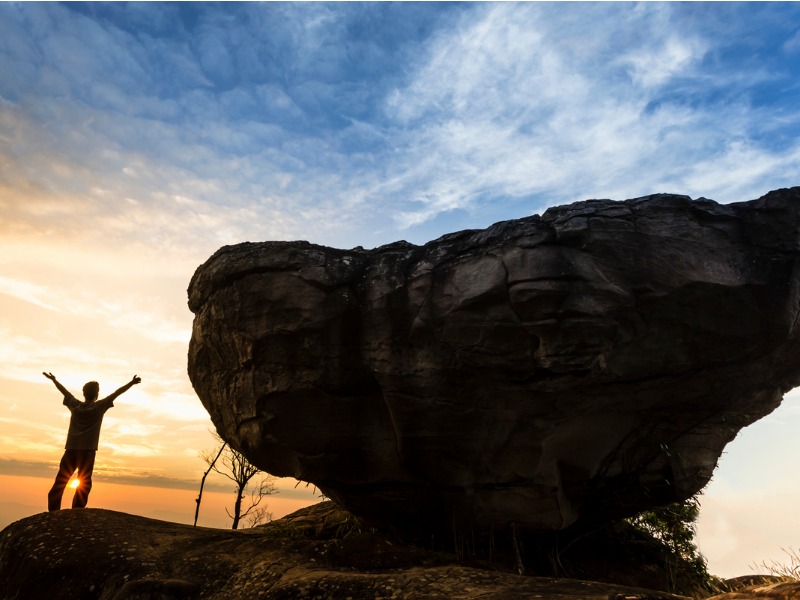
(84, 433)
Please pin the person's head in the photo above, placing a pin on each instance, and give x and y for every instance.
(91, 390)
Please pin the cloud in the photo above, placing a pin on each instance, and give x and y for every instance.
(792, 45)
(283, 122)
(24, 357)
(27, 468)
(288, 488)
(28, 439)
(30, 468)
(656, 66)
(516, 101)
(751, 170)
(260, 108)
(27, 291)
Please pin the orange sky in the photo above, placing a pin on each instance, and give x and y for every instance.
(90, 299)
(24, 496)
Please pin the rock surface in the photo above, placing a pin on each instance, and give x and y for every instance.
(95, 554)
(317, 552)
(549, 372)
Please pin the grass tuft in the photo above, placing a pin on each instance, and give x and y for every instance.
(786, 571)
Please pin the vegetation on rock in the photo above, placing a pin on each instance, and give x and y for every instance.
(674, 526)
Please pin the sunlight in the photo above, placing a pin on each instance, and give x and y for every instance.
(74, 483)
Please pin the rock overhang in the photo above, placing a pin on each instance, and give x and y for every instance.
(576, 366)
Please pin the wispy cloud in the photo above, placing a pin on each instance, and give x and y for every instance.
(272, 131)
(27, 291)
(521, 101)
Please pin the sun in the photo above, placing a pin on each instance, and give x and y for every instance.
(74, 483)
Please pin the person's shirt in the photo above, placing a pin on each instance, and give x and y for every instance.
(85, 422)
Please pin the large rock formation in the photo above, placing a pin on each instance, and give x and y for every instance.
(550, 371)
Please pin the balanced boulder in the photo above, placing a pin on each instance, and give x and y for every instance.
(546, 372)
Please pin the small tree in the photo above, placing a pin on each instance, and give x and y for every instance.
(675, 527)
(250, 481)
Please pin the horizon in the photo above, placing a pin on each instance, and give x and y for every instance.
(167, 504)
(137, 139)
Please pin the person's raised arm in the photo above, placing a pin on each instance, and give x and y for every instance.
(136, 379)
(60, 387)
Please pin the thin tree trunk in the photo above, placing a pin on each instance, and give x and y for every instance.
(519, 566)
(237, 508)
(203, 482)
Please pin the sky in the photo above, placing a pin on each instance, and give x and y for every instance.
(136, 139)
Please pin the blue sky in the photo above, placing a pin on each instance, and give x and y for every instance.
(135, 139)
(366, 122)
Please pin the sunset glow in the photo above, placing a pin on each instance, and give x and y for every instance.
(138, 138)
(74, 484)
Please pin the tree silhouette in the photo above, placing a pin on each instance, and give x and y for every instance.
(210, 462)
(250, 481)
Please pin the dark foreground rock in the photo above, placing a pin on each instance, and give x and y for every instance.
(105, 555)
(319, 552)
(550, 372)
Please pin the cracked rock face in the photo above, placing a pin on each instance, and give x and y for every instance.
(555, 370)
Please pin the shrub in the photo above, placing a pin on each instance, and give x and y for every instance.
(674, 526)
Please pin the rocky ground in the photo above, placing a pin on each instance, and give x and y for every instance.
(318, 552)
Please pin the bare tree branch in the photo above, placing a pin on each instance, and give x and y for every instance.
(237, 468)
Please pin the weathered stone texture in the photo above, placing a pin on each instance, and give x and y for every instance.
(92, 554)
(561, 369)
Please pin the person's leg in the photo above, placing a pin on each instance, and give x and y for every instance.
(65, 470)
(85, 468)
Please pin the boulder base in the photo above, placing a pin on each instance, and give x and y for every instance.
(316, 553)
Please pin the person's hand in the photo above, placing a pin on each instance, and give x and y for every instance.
(50, 376)
(136, 379)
